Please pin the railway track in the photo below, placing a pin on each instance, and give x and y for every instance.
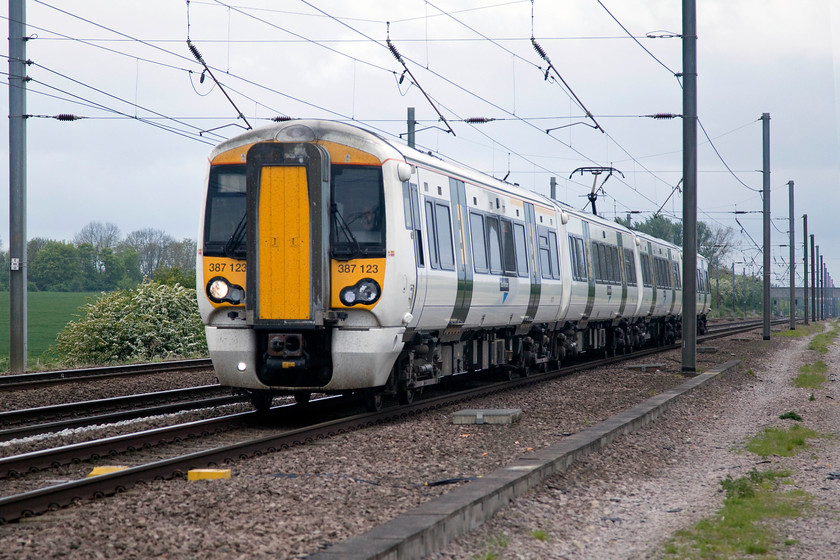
(37, 501)
(202, 397)
(47, 378)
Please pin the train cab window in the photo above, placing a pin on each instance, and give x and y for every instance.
(494, 244)
(508, 248)
(521, 249)
(358, 212)
(478, 244)
(225, 218)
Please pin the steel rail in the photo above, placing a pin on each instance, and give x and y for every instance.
(11, 417)
(29, 380)
(112, 417)
(54, 497)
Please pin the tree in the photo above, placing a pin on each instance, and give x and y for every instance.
(56, 267)
(182, 254)
(151, 246)
(172, 275)
(100, 236)
(662, 228)
(712, 243)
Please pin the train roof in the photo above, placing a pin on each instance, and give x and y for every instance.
(386, 148)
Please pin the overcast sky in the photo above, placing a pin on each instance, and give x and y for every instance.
(139, 158)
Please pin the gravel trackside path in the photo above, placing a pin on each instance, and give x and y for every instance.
(623, 502)
(628, 500)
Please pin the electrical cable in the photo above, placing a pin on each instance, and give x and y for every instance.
(665, 66)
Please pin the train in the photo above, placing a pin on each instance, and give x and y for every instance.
(332, 259)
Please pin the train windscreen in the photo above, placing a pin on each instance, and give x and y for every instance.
(225, 221)
(357, 225)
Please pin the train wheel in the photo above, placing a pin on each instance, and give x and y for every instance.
(406, 395)
(302, 397)
(261, 400)
(373, 400)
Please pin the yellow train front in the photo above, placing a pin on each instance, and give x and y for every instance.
(292, 261)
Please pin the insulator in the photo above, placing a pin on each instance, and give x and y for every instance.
(194, 51)
(281, 118)
(394, 50)
(478, 120)
(539, 49)
(664, 116)
(67, 117)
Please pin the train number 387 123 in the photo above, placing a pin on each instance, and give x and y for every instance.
(358, 268)
(226, 267)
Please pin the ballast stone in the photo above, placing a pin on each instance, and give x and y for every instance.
(487, 416)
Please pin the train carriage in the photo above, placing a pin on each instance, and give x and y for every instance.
(333, 260)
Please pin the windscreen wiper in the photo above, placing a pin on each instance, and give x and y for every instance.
(236, 238)
(341, 226)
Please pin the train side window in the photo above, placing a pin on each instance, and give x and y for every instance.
(629, 267)
(555, 258)
(434, 260)
(444, 237)
(521, 249)
(616, 265)
(545, 254)
(596, 261)
(578, 255)
(407, 205)
(663, 273)
(606, 264)
(677, 279)
(647, 280)
(508, 248)
(494, 246)
(412, 220)
(479, 246)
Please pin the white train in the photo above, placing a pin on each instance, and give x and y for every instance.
(331, 259)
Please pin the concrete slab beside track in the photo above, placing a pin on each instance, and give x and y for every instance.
(429, 527)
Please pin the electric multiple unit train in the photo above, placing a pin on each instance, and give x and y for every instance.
(333, 260)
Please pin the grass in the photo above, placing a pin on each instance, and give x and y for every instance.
(736, 529)
(822, 341)
(496, 544)
(540, 535)
(785, 443)
(48, 313)
(811, 376)
(801, 331)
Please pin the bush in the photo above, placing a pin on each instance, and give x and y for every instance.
(151, 321)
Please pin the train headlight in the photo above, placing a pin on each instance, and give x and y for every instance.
(219, 290)
(365, 292)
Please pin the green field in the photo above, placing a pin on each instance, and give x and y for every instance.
(48, 313)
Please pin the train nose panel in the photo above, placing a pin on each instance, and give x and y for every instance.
(283, 236)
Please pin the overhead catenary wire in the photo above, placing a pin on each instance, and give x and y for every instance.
(337, 113)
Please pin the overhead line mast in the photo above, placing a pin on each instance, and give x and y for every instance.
(17, 188)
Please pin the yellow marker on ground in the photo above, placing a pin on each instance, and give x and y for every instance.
(207, 474)
(106, 470)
